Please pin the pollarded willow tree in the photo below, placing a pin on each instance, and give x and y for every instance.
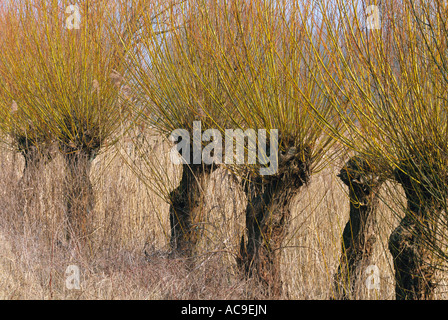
(419, 243)
(229, 66)
(264, 72)
(22, 123)
(362, 174)
(63, 73)
(396, 120)
(181, 97)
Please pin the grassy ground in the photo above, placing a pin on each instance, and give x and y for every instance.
(131, 238)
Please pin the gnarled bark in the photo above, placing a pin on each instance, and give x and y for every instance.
(79, 196)
(268, 214)
(186, 209)
(410, 242)
(359, 234)
(36, 156)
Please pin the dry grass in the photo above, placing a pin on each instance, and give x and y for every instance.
(131, 238)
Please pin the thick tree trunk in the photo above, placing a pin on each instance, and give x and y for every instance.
(32, 165)
(80, 199)
(268, 214)
(410, 242)
(36, 157)
(187, 208)
(359, 234)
